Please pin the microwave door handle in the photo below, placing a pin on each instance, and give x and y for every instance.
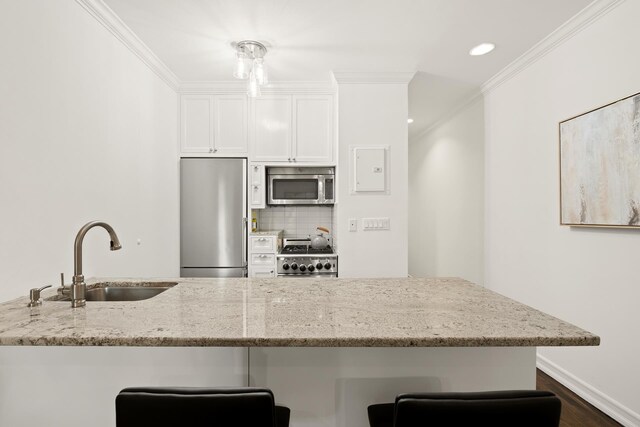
(321, 198)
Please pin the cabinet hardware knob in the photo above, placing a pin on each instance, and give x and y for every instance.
(289, 159)
(211, 150)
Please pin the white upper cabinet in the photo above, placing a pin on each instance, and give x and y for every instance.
(313, 129)
(271, 128)
(257, 187)
(196, 125)
(292, 129)
(230, 123)
(213, 125)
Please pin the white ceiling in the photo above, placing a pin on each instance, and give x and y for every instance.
(308, 39)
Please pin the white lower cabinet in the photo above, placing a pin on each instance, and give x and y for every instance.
(262, 244)
(262, 272)
(263, 259)
(263, 248)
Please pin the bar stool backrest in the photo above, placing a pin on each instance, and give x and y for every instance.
(195, 407)
(527, 408)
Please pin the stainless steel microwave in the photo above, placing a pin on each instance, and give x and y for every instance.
(300, 186)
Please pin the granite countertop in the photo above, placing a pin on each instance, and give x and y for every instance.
(412, 312)
(266, 233)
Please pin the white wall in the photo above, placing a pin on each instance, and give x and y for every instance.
(586, 276)
(373, 114)
(446, 202)
(87, 132)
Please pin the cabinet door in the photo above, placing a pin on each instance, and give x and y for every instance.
(262, 244)
(230, 125)
(313, 129)
(262, 272)
(271, 128)
(196, 124)
(263, 260)
(257, 191)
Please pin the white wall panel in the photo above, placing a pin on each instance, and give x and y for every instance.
(586, 276)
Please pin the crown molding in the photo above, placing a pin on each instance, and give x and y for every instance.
(112, 22)
(573, 26)
(240, 87)
(359, 77)
(466, 102)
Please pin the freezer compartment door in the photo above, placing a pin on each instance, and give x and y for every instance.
(212, 212)
(213, 272)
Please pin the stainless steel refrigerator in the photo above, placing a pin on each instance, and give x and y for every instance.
(213, 224)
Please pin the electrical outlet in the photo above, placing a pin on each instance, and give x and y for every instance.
(353, 224)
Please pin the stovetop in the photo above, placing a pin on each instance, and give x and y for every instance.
(305, 250)
(302, 246)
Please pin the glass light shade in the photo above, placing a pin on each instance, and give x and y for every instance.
(241, 70)
(254, 87)
(261, 71)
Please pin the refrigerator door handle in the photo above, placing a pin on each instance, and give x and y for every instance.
(244, 242)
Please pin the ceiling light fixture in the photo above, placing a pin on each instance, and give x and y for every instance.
(409, 120)
(482, 49)
(250, 65)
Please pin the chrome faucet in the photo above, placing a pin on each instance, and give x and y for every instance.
(78, 286)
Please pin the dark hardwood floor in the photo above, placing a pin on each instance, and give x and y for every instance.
(575, 410)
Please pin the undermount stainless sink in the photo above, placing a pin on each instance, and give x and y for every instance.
(117, 292)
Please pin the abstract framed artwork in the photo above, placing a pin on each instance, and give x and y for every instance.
(600, 166)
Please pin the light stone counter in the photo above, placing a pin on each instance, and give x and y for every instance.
(275, 233)
(443, 312)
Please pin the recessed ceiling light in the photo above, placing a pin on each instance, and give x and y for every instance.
(409, 120)
(482, 49)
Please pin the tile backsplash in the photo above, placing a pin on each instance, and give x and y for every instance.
(296, 221)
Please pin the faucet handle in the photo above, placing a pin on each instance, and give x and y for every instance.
(62, 279)
(34, 295)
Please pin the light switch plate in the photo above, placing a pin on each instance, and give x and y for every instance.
(353, 224)
(375, 224)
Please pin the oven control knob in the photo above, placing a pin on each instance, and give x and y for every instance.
(285, 266)
(294, 266)
(319, 266)
(310, 267)
(303, 267)
(327, 265)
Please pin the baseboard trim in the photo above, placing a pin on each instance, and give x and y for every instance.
(606, 404)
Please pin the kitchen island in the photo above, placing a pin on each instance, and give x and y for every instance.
(326, 347)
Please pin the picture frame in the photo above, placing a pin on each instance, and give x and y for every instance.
(599, 156)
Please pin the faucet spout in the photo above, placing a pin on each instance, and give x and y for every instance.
(78, 287)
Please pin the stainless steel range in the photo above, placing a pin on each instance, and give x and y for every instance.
(298, 259)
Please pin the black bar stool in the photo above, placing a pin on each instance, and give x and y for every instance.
(199, 407)
(528, 408)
